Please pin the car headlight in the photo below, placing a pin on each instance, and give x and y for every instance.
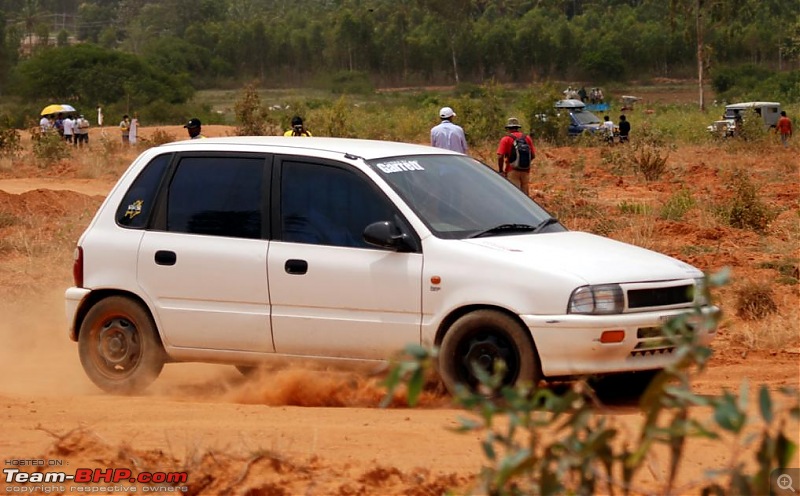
(599, 299)
(700, 292)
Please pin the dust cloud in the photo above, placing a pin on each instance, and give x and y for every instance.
(37, 357)
(288, 383)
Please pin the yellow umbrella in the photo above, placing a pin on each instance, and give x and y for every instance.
(52, 109)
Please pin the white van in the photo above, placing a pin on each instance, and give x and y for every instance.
(233, 250)
(767, 112)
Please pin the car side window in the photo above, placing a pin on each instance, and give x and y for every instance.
(137, 204)
(217, 196)
(327, 205)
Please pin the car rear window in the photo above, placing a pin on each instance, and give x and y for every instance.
(137, 205)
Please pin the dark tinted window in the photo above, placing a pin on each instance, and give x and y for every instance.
(218, 196)
(137, 204)
(328, 206)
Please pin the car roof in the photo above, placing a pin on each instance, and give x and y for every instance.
(366, 149)
(570, 103)
(745, 105)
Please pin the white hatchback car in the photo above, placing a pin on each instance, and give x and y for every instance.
(235, 249)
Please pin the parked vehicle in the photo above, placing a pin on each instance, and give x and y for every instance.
(767, 112)
(233, 250)
(580, 120)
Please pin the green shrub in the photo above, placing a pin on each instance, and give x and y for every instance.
(49, 148)
(160, 137)
(788, 268)
(634, 208)
(677, 205)
(336, 120)
(545, 123)
(745, 210)
(249, 113)
(648, 153)
(483, 118)
(9, 141)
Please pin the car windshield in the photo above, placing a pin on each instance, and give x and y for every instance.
(458, 197)
(585, 117)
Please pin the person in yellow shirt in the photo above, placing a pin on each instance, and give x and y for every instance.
(298, 129)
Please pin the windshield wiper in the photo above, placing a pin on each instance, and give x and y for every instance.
(505, 228)
(545, 223)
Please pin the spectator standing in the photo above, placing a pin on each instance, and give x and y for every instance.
(125, 128)
(99, 115)
(81, 131)
(582, 94)
(608, 128)
(69, 129)
(45, 124)
(506, 148)
(133, 132)
(448, 135)
(624, 129)
(194, 128)
(298, 128)
(58, 125)
(784, 127)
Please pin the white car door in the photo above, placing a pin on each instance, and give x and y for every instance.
(332, 294)
(206, 271)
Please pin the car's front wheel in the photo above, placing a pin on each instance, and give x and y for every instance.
(118, 345)
(481, 339)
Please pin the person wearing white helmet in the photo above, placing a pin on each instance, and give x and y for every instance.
(448, 135)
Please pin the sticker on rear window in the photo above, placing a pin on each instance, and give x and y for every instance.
(400, 166)
(134, 209)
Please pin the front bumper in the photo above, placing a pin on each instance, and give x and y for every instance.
(73, 298)
(570, 344)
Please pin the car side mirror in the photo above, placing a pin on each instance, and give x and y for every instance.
(385, 234)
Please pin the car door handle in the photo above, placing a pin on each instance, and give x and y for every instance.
(165, 257)
(293, 266)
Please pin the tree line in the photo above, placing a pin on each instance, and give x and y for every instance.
(181, 45)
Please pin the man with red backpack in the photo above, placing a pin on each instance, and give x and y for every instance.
(515, 154)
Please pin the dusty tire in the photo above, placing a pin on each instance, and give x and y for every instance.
(118, 346)
(484, 336)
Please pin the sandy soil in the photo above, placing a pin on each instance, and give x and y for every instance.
(303, 428)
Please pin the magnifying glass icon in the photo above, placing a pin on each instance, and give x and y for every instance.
(785, 483)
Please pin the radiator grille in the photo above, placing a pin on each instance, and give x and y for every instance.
(660, 297)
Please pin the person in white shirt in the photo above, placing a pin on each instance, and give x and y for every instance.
(69, 129)
(608, 128)
(133, 130)
(45, 124)
(448, 135)
(81, 131)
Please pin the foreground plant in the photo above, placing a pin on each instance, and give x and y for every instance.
(539, 441)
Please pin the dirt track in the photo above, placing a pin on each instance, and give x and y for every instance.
(335, 442)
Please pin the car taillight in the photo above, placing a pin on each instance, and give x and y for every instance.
(77, 267)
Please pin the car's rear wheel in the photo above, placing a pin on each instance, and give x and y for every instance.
(118, 345)
(482, 338)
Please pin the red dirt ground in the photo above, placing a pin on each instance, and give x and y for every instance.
(305, 429)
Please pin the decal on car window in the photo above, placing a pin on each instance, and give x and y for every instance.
(400, 166)
(134, 209)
